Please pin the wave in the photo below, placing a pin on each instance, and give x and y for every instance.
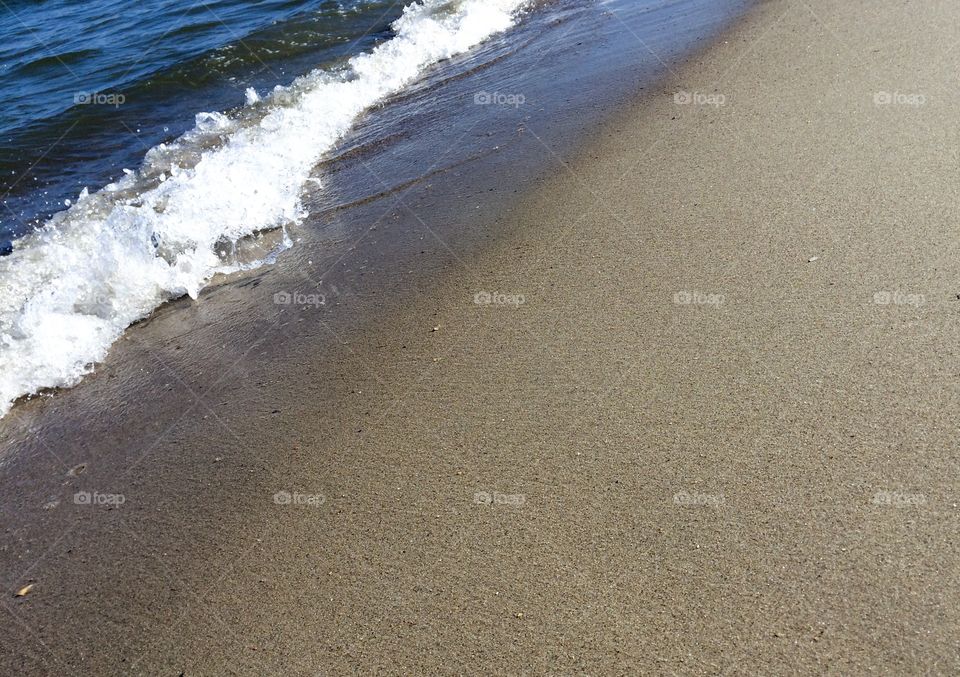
(70, 289)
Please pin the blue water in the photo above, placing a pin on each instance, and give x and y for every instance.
(89, 85)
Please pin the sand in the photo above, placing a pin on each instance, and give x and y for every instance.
(707, 423)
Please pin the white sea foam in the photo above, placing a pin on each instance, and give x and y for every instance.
(68, 291)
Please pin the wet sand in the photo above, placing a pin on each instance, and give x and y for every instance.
(702, 419)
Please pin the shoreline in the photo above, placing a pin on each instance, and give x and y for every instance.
(470, 486)
(362, 167)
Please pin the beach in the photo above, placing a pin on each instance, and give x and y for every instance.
(671, 392)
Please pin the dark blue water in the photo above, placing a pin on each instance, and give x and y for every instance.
(88, 86)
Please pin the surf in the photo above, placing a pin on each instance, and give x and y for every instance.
(70, 289)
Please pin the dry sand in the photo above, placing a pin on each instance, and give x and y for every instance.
(762, 480)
